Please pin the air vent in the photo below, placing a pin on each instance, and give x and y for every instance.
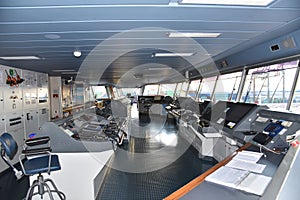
(274, 47)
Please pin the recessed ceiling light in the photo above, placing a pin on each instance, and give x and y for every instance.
(70, 73)
(63, 70)
(230, 2)
(52, 36)
(193, 35)
(77, 53)
(20, 58)
(172, 54)
(158, 68)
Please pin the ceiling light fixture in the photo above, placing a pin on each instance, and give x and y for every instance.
(158, 68)
(20, 58)
(172, 54)
(70, 73)
(229, 2)
(52, 36)
(63, 70)
(193, 35)
(77, 53)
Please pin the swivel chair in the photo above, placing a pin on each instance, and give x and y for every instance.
(34, 161)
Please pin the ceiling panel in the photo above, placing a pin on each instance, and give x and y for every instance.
(286, 4)
(123, 29)
(115, 27)
(139, 13)
(35, 3)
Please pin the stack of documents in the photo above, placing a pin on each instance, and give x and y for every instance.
(247, 160)
(228, 176)
(241, 173)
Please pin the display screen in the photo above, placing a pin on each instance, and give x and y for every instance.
(215, 112)
(238, 111)
(157, 98)
(228, 113)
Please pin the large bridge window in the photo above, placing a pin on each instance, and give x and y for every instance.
(193, 89)
(151, 90)
(295, 106)
(130, 91)
(270, 85)
(184, 89)
(206, 88)
(178, 89)
(227, 86)
(100, 92)
(116, 92)
(167, 89)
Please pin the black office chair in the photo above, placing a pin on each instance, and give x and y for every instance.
(33, 161)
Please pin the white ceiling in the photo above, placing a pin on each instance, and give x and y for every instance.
(123, 34)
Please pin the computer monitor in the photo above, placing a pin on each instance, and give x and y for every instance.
(236, 112)
(212, 113)
(228, 114)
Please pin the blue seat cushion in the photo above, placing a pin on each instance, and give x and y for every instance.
(40, 164)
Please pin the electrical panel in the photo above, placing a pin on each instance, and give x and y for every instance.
(12, 90)
(15, 126)
(42, 80)
(55, 97)
(24, 104)
(3, 165)
(30, 102)
(30, 122)
(42, 89)
(2, 123)
(43, 116)
(43, 99)
(30, 99)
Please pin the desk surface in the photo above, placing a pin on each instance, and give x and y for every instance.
(201, 189)
(63, 143)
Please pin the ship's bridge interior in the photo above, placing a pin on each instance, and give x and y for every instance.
(140, 99)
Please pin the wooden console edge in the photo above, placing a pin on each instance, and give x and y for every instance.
(198, 180)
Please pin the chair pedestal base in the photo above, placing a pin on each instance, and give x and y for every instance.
(43, 188)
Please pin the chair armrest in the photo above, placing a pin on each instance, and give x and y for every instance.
(37, 151)
(37, 141)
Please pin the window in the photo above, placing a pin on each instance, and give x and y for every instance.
(193, 89)
(151, 90)
(115, 91)
(184, 89)
(295, 107)
(89, 94)
(227, 86)
(100, 92)
(167, 89)
(119, 91)
(78, 94)
(178, 89)
(206, 88)
(131, 91)
(270, 85)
